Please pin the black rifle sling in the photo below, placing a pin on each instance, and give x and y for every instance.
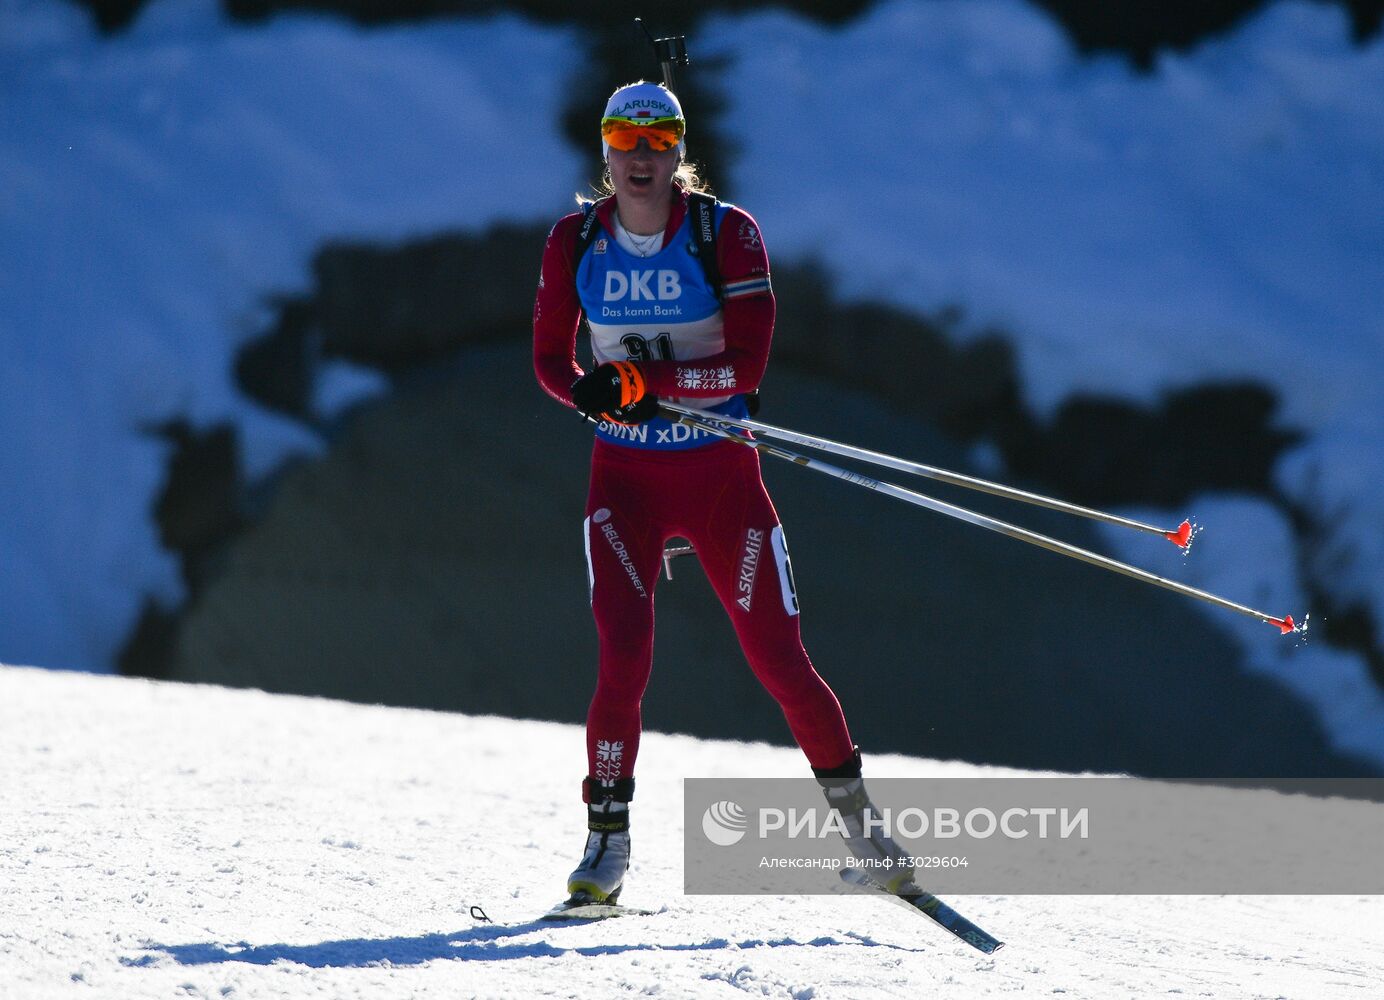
(703, 210)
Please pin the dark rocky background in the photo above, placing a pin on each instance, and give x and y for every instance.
(1136, 28)
(433, 556)
(444, 568)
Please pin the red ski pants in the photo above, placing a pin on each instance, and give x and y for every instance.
(714, 497)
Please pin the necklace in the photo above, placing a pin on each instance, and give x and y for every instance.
(645, 245)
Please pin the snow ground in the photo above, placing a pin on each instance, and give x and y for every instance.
(166, 840)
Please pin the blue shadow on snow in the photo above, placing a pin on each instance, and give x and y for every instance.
(478, 944)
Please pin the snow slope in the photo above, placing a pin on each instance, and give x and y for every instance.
(163, 840)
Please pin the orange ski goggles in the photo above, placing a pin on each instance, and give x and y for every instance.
(624, 133)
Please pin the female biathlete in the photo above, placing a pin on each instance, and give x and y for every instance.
(665, 323)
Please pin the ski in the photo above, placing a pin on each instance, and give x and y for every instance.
(580, 906)
(930, 906)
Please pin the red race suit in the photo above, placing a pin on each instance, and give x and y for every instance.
(656, 481)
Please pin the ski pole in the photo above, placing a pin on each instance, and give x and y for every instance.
(714, 424)
(1180, 536)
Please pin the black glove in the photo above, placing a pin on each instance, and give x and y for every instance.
(635, 413)
(612, 387)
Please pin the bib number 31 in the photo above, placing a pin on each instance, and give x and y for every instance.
(641, 348)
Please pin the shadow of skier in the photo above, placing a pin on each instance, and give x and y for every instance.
(477, 944)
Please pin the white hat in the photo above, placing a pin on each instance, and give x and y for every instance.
(643, 100)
